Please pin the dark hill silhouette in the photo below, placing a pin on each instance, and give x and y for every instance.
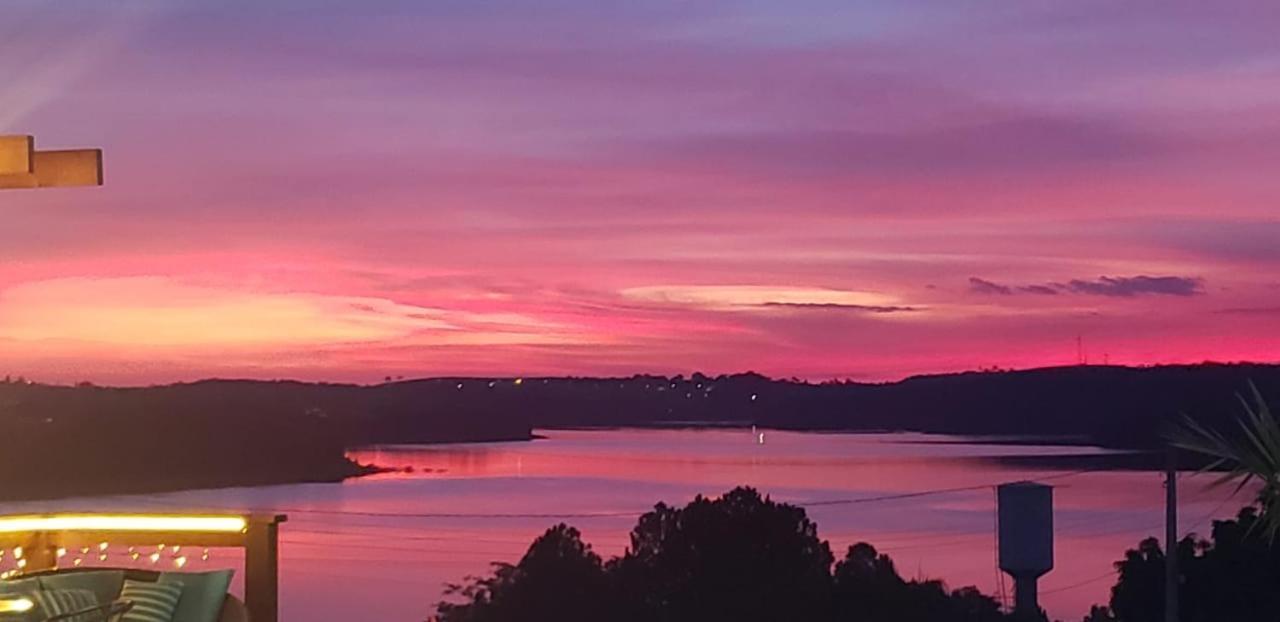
(1110, 405)
(89, 440)
(92, 440)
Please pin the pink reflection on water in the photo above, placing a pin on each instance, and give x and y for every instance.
(950, 536)
(383, 547)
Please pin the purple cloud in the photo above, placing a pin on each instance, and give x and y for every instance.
(831, 306)
(1126, 287)
(983, 286)
(1043, 290)
(1113, 286)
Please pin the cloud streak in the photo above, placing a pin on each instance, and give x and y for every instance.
(581, 187)
(1109, 286)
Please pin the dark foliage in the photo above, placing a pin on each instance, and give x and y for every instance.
(737, 558)
(559, 578)
(215, 433)
(1232, 577)
(869, 589)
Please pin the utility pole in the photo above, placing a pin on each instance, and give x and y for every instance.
(1171, 535)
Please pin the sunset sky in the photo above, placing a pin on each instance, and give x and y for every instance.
(349, 190)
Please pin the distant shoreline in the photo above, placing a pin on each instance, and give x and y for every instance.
(88, 440)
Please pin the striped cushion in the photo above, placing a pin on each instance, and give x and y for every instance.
(152, 602)
(56, 602)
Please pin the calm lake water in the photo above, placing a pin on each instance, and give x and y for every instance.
(382, 548)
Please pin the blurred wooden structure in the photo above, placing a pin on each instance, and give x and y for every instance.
(40, 538)
(22, 167)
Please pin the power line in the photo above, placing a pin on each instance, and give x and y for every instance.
(1073, 586)
(911, 544)
(1186, 532)
(632, 513)
(937, 491)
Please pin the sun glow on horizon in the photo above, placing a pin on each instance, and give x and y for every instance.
(631, 200)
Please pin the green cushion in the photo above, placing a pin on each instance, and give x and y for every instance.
(105, 584)
(56, 602)
(20, 586)
(152, 602)
(202, 594)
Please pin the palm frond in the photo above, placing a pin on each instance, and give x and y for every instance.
(1253, 455)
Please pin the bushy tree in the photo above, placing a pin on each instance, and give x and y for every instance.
(558, 579)
(1230, 577)
(868, 588)
(738, 558)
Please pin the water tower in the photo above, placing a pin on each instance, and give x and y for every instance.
(1026, 539)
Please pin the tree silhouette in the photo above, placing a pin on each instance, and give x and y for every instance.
(738, 558)
(868, 588)
(559, 579)
(1231, 577)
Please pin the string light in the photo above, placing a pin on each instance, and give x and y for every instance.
(134, 556)
(176, 548)
(77, 562)
(15, 605)
(102, 546)
(84, 550)
(204, 557)
(61, 552)
(17, 552)
(180, 562)
(155, 557)
(22, 563)
(123, 522)
(102, 557)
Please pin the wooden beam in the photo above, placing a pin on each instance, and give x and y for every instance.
(75, 167)
(16, 155)
(58, 169)
(262, 569)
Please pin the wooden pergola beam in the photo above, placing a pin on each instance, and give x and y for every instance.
(16, 155)
(257, 534)
(22, 167)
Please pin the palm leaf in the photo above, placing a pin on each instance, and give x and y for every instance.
(1253, 455)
